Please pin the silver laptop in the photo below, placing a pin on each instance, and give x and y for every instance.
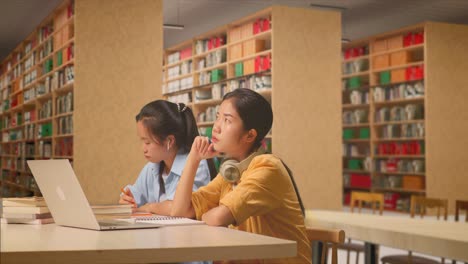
(66, 199)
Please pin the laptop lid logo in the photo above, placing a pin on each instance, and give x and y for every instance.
(60, 193)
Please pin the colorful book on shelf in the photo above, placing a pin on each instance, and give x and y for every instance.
(26, 221)
(24, 202)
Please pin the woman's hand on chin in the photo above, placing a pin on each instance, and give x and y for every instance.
(202, 148)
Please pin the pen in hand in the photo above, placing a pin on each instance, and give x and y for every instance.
(126, 192)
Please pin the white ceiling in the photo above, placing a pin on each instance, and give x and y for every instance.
(361, 17)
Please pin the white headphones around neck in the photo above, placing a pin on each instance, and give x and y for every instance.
(231, 169)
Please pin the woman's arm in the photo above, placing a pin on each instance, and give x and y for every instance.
(162, 208)
(138, 192)
(218, 216)
(182, 203)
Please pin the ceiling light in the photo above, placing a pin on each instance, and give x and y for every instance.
(328, 7)
(173, 26)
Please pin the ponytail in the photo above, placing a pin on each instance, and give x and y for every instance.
(190, 127)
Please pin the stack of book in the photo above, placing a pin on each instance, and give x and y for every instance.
(112, 211)
(28, 210)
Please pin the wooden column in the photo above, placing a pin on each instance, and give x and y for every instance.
(118, 55)
(307, 101)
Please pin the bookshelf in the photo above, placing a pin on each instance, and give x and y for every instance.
(252, 53)
(36, 81)
(395, 132)
(117, 63)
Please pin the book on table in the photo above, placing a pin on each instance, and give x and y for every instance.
(27, 216)
(26, 221)
(24, 202)
(25, 210)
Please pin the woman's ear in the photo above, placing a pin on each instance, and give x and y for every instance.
(170, 142)
(251, 135)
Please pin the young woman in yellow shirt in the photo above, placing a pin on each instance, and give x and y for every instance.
(253, 192)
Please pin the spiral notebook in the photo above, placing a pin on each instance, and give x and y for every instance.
(167, 220)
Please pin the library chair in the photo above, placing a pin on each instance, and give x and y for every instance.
(360, 197)
(329, 238)
(367, 197)
(422, 203)
(461, 205)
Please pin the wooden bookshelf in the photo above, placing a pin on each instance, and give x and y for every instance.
(291, 87)
(115, 76)
(397, 62)
(201, 51)
(39, 66)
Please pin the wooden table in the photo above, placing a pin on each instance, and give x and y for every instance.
(427, 236)
(57, 244)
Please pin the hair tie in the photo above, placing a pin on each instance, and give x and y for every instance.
(179, 106)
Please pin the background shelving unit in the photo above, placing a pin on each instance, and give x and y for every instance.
(114, 78)
(217, 62)
(270, 52)
(391, 76)
(36, 82)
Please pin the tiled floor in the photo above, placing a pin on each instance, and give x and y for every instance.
(385, 251)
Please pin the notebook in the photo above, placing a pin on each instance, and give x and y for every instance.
(167, 220)
(66, 199)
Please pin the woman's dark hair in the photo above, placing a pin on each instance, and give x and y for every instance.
(254, 111)
(163, 118)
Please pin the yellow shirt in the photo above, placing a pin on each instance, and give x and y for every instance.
(263, 202)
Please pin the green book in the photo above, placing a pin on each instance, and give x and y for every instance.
(46, 130)
(239, 69)
(354, 82)
(348, 134)
(385, 77)
(354, 164)
(364, 133)
(59, 58)
(217, 75)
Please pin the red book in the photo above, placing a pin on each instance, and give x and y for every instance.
(407, 39)
(258, 62)
(265, 24)
(70, 10)
(266, 62)
(418, 38)
(358, 180)
(256, 27)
